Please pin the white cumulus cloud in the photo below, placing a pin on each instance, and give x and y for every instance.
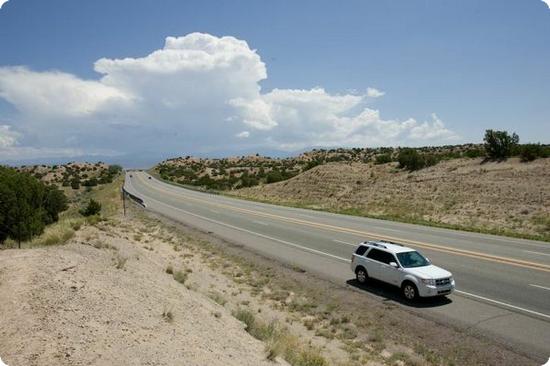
(243, 134)
(198, 93)
(374, 93)
(8, 138)
(2, 2)
(547, 2)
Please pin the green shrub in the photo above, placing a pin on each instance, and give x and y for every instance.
(383, 159)
(93, 208)
(180, 276)
(499, 145)
(530, 152)
(474, 153)
(75, 183)
(274, 176)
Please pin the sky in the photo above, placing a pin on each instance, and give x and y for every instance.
(138, 81)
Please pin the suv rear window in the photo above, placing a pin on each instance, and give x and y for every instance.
(361, 250)
(381, 256)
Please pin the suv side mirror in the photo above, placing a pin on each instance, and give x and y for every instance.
(394, 265)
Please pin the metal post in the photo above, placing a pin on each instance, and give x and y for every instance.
(124, 202)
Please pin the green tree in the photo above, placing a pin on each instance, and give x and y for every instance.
(55, 202)
(75, 183)
(22, 211)
(499, 144)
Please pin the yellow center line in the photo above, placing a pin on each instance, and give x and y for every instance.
(328, 227)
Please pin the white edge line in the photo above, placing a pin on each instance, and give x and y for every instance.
(504, 304)
(339, 258)
(344, 242)
(539, 286)
(530, 251)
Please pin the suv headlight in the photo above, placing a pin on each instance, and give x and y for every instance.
(429, 281)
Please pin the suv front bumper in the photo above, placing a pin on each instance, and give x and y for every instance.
(429, 290)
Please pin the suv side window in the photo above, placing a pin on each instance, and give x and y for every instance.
(375, 254)
(388, 258)
(381, 256)
(361, 250)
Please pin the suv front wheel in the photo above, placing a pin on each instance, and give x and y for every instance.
(409, 290)
(361, 275)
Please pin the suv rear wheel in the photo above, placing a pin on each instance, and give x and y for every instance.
(361, 275)
(409, 290)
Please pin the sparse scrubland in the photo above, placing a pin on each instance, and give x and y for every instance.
(142, 290)
(506, 198)
(498, 187)
(39, 210)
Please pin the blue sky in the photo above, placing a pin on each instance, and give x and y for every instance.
(453, 67)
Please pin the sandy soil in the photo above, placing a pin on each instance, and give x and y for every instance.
(71, 305)
(499, 196)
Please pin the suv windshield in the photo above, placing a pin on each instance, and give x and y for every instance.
(412, 259)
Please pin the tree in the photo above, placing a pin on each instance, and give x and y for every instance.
(75, 183)
(499, 144)
(22, 210)
(55, 202)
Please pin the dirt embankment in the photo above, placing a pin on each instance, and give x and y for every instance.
(101, 300)
(499, 197)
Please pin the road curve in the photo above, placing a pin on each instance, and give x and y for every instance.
(503, 284)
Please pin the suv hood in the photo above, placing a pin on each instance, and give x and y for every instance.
(430, 271)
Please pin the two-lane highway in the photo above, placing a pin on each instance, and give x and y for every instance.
(503, 283)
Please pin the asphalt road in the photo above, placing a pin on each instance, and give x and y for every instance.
(503, 284)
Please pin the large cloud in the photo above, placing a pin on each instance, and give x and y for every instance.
(199, 93)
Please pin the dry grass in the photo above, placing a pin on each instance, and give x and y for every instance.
(508, 198)
(180, 276)
(279, 341)
(120, 261)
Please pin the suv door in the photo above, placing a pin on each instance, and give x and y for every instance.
(388, 273)
(374, 263)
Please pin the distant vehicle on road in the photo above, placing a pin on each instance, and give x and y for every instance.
(401, 266)
(149, 177)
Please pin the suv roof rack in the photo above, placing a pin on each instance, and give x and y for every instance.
(390, 242)
(375, 244)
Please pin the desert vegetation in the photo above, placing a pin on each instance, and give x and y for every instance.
(249, 171)
(73, 174)
(27, 205)
(500, 197)
(37, 209)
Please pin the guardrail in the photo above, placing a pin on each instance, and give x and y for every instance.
(135, 198)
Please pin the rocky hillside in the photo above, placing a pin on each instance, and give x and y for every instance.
(249, 171)
(74, 174)
(510, 197)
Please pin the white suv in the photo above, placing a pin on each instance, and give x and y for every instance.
(400, 266)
